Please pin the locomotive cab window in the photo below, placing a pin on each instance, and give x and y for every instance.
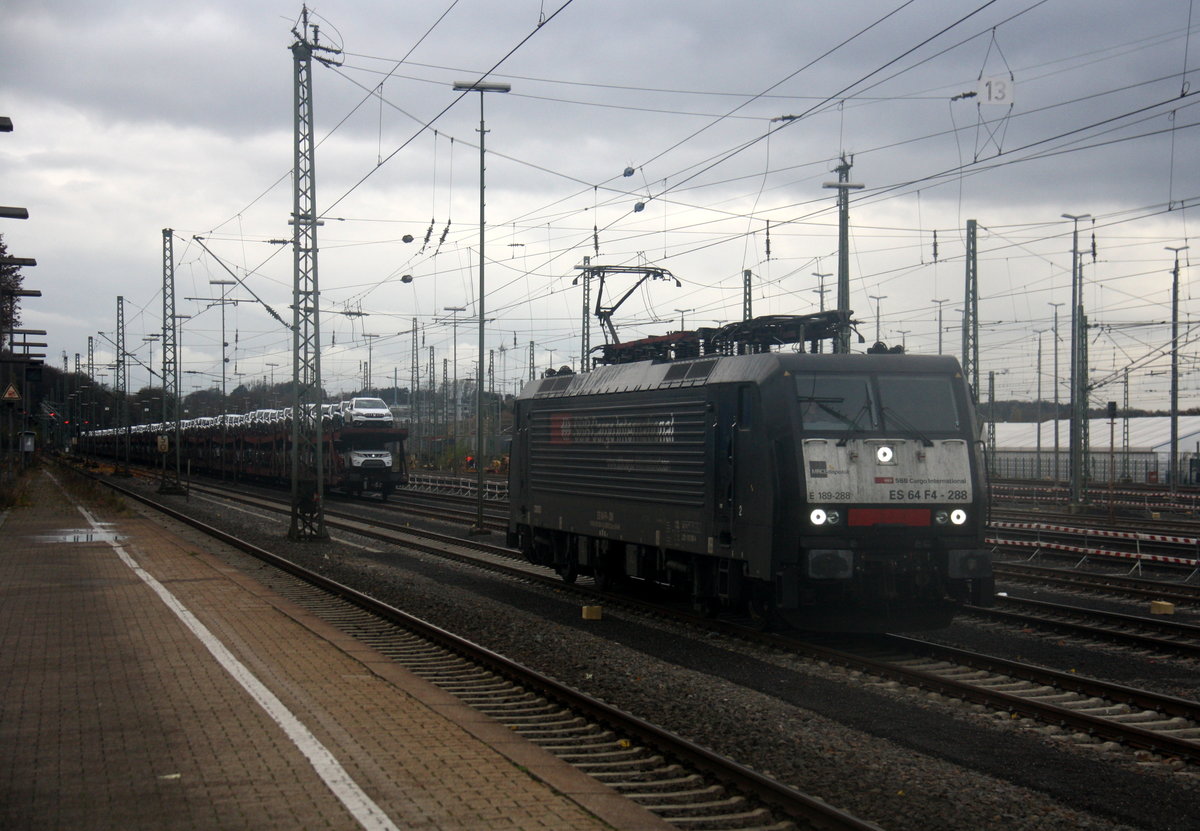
(924, 401)
(837, 403)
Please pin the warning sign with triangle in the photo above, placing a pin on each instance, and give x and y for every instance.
(11, 394)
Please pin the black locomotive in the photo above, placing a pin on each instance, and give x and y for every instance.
(836, 492)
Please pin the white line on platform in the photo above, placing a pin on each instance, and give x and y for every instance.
(361, 806)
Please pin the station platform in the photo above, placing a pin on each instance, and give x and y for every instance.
(146, 684)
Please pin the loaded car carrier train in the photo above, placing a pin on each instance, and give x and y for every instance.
(840, 492)
(360, 457)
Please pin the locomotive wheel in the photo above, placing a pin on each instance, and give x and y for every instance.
(525, 543)
(609, 566)
(566, 564)
(761, 607)
(704, 584)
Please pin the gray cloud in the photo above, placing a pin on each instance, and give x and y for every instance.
(132, 116)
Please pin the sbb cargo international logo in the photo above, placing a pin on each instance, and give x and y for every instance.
(570, 428)
(561, 428)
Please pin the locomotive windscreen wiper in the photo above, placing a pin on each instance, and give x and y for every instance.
(824, 403)
(853, 423)
(888, 412)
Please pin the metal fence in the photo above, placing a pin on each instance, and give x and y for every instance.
(1134, 466)
(493, 488)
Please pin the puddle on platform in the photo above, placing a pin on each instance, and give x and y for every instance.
(78, 535)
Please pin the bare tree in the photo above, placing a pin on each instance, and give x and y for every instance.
(10, 280)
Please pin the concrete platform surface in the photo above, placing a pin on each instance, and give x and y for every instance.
(144, 683)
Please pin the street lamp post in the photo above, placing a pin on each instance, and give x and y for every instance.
(939, 307)
(1055, 339)
(877, 298)
(820, 289)
(178, 426)
(1038, 457)
(1173, 467)
(454, 389)
(481, 87)
(370, 356)
(223, 288)
(1078, 368)
(151, 339)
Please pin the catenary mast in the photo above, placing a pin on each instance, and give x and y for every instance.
(308, 511)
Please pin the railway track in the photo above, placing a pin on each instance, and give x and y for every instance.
(681, 782)
(1091, 581)
(1175, 638)
(1090, 709)
(450, 498)
(1159, 635)
(1165, 552)
(1171, 544)
(455, 508)
(1093, 709)
(1184, 501)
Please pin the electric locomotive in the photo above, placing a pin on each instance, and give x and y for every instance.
(842, 492)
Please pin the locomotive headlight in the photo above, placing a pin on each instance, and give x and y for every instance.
(958, 516)
(941, 517)
(884, 454)
(820, 516)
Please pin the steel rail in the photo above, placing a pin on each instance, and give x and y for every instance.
(1047, 712)
(1136, 587)
(1129, 735)
(1173, 637)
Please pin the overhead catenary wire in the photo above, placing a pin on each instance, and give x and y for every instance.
(681, 245)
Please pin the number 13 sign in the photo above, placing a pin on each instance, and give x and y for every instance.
(995, 90)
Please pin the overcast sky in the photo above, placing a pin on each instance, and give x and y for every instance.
(133, 116)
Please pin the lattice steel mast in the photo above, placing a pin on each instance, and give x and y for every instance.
(308, 510)
(92, 395)
(414, 393)
(585, 344)
(170, 365)
(970, 321)
(122, 389)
